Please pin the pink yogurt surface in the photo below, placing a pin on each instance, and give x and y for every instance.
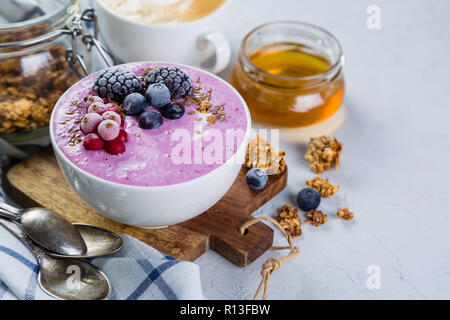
(148, 160)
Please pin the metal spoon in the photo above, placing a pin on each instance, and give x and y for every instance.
(67, 279)
(48, 229)
(99, 242)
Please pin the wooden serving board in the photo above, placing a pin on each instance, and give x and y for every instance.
(38, 181)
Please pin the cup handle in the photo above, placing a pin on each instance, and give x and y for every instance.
(214, 44)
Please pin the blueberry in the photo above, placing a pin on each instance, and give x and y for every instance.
(134, 104)
(158, 95)
(256, 178)
(150, 119)
(308, 199)
(172, 111)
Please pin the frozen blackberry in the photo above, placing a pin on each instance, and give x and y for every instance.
(174, 78)
(117, 84)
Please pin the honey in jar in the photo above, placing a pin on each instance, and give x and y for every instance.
(290, 74)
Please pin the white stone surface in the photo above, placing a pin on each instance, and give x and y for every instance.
(394, 164)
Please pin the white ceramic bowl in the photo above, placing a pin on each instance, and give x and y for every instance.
(159, 206)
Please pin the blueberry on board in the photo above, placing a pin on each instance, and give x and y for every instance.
(150, 119)
(157, 95)
(172, 111)
(308, 199)
(256, 178)
(134, 104)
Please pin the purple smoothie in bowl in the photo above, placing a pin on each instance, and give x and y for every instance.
(147, 160)
(165, 175)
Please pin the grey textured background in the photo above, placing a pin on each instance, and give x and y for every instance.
(394, 173)
(394, 165)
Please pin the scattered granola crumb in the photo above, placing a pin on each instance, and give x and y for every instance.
(325, 188)
(260, 154)
(345, 214)
(219, 113)
(316, 218)
(79, 105)
(202, 99)
(211, 120)
(204, 106)
(288, 218)
(75, 139)
(198, 88)
(323, 153)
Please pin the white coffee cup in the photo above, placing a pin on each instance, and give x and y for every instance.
(200, 43)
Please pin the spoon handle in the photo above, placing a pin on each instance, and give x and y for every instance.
(9, 208)
(18, 231)
(10, 212)
(8, 215)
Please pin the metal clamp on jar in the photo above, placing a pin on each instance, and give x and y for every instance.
(44, 49)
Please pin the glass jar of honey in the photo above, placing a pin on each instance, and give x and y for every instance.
(290, 74)
(45, 47)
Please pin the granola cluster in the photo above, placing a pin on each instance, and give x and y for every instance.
(345, 214)
(288, 218)
(325, 188)
(28, 92)
(323, 153)
(260, 154)
(316, 218)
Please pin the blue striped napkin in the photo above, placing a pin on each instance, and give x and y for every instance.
(136, 272)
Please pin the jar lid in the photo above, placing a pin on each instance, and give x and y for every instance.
(27, 19)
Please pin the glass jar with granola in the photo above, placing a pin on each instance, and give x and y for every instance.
(39, 61)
